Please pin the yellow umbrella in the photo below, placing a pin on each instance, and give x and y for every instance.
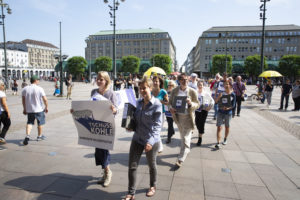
(154, 71)
(270, 73)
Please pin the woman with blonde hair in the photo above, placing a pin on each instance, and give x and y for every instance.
(104, 92)
(5, 114)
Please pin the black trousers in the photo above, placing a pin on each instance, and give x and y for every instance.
(136, 90)
(6, 123)
(238, 105)
(297, 103)
(286, 97)
(171, 131)
(200, 120)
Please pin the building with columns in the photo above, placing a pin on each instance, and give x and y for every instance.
(143, 43)
(27, 58)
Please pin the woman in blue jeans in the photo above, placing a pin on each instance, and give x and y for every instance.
(148, 118)
(226, 105)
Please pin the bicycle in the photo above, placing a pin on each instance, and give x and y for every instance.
(259, 96)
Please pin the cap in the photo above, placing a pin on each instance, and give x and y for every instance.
(194, 75)
(34, 78)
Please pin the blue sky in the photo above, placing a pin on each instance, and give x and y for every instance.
(185, 20)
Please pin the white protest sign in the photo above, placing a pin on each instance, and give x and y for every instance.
(125, 96)
(95, 123)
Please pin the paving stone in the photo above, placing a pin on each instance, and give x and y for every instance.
(174, 195)
(250, 192)
(243, 173)
(16, 194)
(187, 185)
(212, 170)
(235, 156)
(220, 189)
(258, 158)
(216, 198)
(208, 154)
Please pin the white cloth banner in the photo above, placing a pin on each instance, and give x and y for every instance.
(95, 123)
(125, 96)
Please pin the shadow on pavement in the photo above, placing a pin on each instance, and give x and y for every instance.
(63, 186)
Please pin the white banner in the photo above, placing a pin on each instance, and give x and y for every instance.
(125, 96)
(95, 123)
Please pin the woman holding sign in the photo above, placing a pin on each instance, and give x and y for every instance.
(206, 103)
(226, 101)
(104, 92)
(148, 118)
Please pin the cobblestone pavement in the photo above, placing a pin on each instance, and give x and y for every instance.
(261, 160)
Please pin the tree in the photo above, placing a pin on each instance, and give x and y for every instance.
(252, 65)
(238, 69)
(103, 63)
(289, 66)
(162, 61)
(76, 65)
(130, 64)
(219, 63)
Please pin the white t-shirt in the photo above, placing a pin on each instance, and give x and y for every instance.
(193, 85)
(2, 94)
(33, 98)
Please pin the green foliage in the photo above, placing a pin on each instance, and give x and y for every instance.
(252, 65)
(76, 65)
(162, 61)
(238, 69)
(289, 66)
(144, 67)
(219, 63)
(103, 63)
(130, 64)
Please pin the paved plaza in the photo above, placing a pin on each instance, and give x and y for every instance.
(260, 162)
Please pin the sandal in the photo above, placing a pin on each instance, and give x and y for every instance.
(151, 192)
(129, 197)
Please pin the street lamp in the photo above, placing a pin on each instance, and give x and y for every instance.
(113, 8)
(263, 17)
(60, 58)
(88, 41)
(220, 36)
(3, 5)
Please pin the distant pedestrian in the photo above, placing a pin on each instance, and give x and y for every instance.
(296, 96)
(193, 81)
(185, 121)
(171, 131)
(57, 87)
(102, 156)
(239, 89)
(35, 105)
(5, 114)
(148, 117)
(129, 81)
(213, 88)
(285, 94)
(69, 84)
(225, 112)
(268, 92)
(15, 87)
(24, 84)
(136, 85)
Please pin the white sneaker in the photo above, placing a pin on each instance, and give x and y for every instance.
(102, 179)
(224, 142)
(108, 176)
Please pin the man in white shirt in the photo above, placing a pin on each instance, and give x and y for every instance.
(35, 105)
(193, 82)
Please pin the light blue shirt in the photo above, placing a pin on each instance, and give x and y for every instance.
(148, 121)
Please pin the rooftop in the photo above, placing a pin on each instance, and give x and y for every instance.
(40, 43)
(254, 28)
(131, 31)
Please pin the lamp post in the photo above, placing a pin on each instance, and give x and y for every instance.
(113, 8)
(60, 59)
(226, 33)
(3, 5)
(263, 17)
(88, 41)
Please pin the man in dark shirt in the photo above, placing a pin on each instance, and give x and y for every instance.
(285, 94)
(118, 82)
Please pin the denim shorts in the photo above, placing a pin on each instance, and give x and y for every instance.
(223, 118)
(40, 118)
